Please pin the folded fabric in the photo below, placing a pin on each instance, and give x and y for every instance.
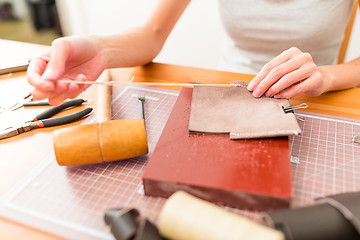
(234, 110)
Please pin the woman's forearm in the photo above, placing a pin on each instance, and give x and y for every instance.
(342, 76)
(134, 47)
(141, 45)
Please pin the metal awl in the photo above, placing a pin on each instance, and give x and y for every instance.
(141, 99)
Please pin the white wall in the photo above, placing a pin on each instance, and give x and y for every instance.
(195, 40)
(101, 17)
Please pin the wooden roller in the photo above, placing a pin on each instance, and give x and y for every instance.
(185, 217)
(104, 141)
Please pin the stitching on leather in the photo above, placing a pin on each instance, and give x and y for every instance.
(237, 84)
(267, 133)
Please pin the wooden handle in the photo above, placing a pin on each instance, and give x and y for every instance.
(104, 98)
(187, 217)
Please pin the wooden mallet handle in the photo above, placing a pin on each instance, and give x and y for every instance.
(105, 141)
(103, 112)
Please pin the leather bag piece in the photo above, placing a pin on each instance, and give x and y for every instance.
(234, 110)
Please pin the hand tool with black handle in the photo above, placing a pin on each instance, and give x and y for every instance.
(54, 110)
(41, 120)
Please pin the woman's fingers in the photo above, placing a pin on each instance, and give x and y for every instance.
(289, 74)
(277, 73)
(293, 77)
(43, 72)
(34, 72)
(75, 89)
(60, 51)
(278, 60)
(68, 58)
(310, 86)
(72, 91)
(39, 94)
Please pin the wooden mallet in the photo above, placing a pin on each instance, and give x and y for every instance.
(105, 141)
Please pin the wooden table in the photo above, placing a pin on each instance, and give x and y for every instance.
(21, 153)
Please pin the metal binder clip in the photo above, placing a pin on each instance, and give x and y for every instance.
(290, 109)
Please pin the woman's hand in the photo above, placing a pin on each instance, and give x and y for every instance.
(69, 58)
(289, 74)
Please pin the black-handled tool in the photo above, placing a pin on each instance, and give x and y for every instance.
(36, 104)
(27, 101)
(54, 110)
(44, 103)
(13, 131)
(127, 224)
(66, 119)
(43, 119)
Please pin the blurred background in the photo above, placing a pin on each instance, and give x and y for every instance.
(195, 40)
(34, 21)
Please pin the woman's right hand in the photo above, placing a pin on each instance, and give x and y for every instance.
(68, 58)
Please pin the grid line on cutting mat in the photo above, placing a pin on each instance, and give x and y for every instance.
(74, 199)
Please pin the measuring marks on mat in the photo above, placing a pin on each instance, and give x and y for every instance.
(71, 201)
(329, 159)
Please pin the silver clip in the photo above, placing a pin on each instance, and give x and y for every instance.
(290, 109)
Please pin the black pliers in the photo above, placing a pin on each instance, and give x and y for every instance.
(44, 120)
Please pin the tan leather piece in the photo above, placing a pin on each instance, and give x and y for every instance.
(234, 110)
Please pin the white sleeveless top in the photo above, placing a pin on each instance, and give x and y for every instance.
(259, 30)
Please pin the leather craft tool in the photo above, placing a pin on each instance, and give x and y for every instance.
(46, 103)
(104, 141)
(186, 217)
(26, 99)
(141, 103)
(43, 119)
(331, 218)
(28, 102)
(246, 174)
(127, 224)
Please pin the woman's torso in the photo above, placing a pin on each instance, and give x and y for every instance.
(259, 30)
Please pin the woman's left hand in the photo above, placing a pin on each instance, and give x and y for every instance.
(287, 75)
